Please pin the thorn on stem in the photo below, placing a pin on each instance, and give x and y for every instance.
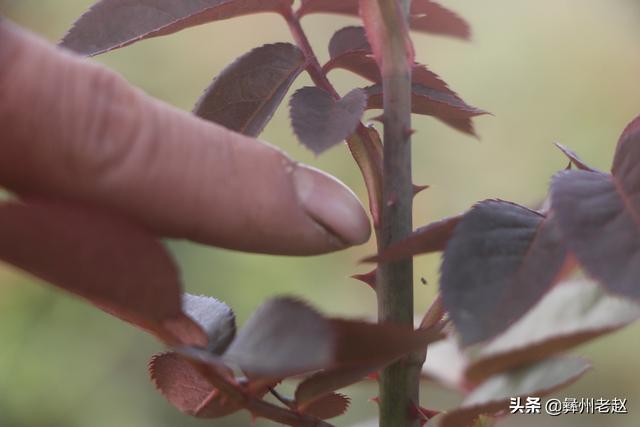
(368, 278)
(418, 189)
(408, 133)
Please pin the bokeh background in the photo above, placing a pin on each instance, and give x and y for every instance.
(561, 70)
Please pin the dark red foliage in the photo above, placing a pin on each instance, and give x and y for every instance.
(430, 238)
(320, 122)
(285, 326)
(113, 264)
(425, 15)
(500, 261)
(112, 24)
(187, 389)
(445, 106)
(350, 50)
(328, 406)
(246, 94)
(327, 381)
(573, 157)
(599, 215)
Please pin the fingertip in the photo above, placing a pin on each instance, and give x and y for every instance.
(331, 205)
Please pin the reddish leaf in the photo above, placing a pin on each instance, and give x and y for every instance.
(493, 396)
(113, 264)
(350, 50)
(343, 7)
(328, 406)
(430, 17)
(366, 148)
(359, 353)
(348, 39)
(573, 157)
(112, 24)
(214, 317)
(246, 394)
(280, 328)
(284, 326)
(599, 219)
(427, 239)
(599, 215)
(627, 152)
(420, 75)
(240, 392)
(360, 343)
(325, 382)
(425, 15)
(429, 102)
(320, 122)
(570, 314)
(247, 93)
(187, 389)
(444, 106)
(501, 260)
(463, 125)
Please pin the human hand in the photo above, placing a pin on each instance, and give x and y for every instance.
(72, 130)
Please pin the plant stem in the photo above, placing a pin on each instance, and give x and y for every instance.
(313, 65)
(399, 382)
(318, 76)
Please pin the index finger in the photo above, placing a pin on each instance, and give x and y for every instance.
(74, 130)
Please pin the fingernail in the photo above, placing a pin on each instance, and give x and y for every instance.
(332, 205)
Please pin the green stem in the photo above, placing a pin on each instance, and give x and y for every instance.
(399, 382)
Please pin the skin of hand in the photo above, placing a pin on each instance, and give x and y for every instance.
(72, 130)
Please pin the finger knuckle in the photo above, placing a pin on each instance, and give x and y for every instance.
(109, 120)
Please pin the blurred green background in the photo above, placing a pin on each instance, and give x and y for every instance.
(562, 70)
